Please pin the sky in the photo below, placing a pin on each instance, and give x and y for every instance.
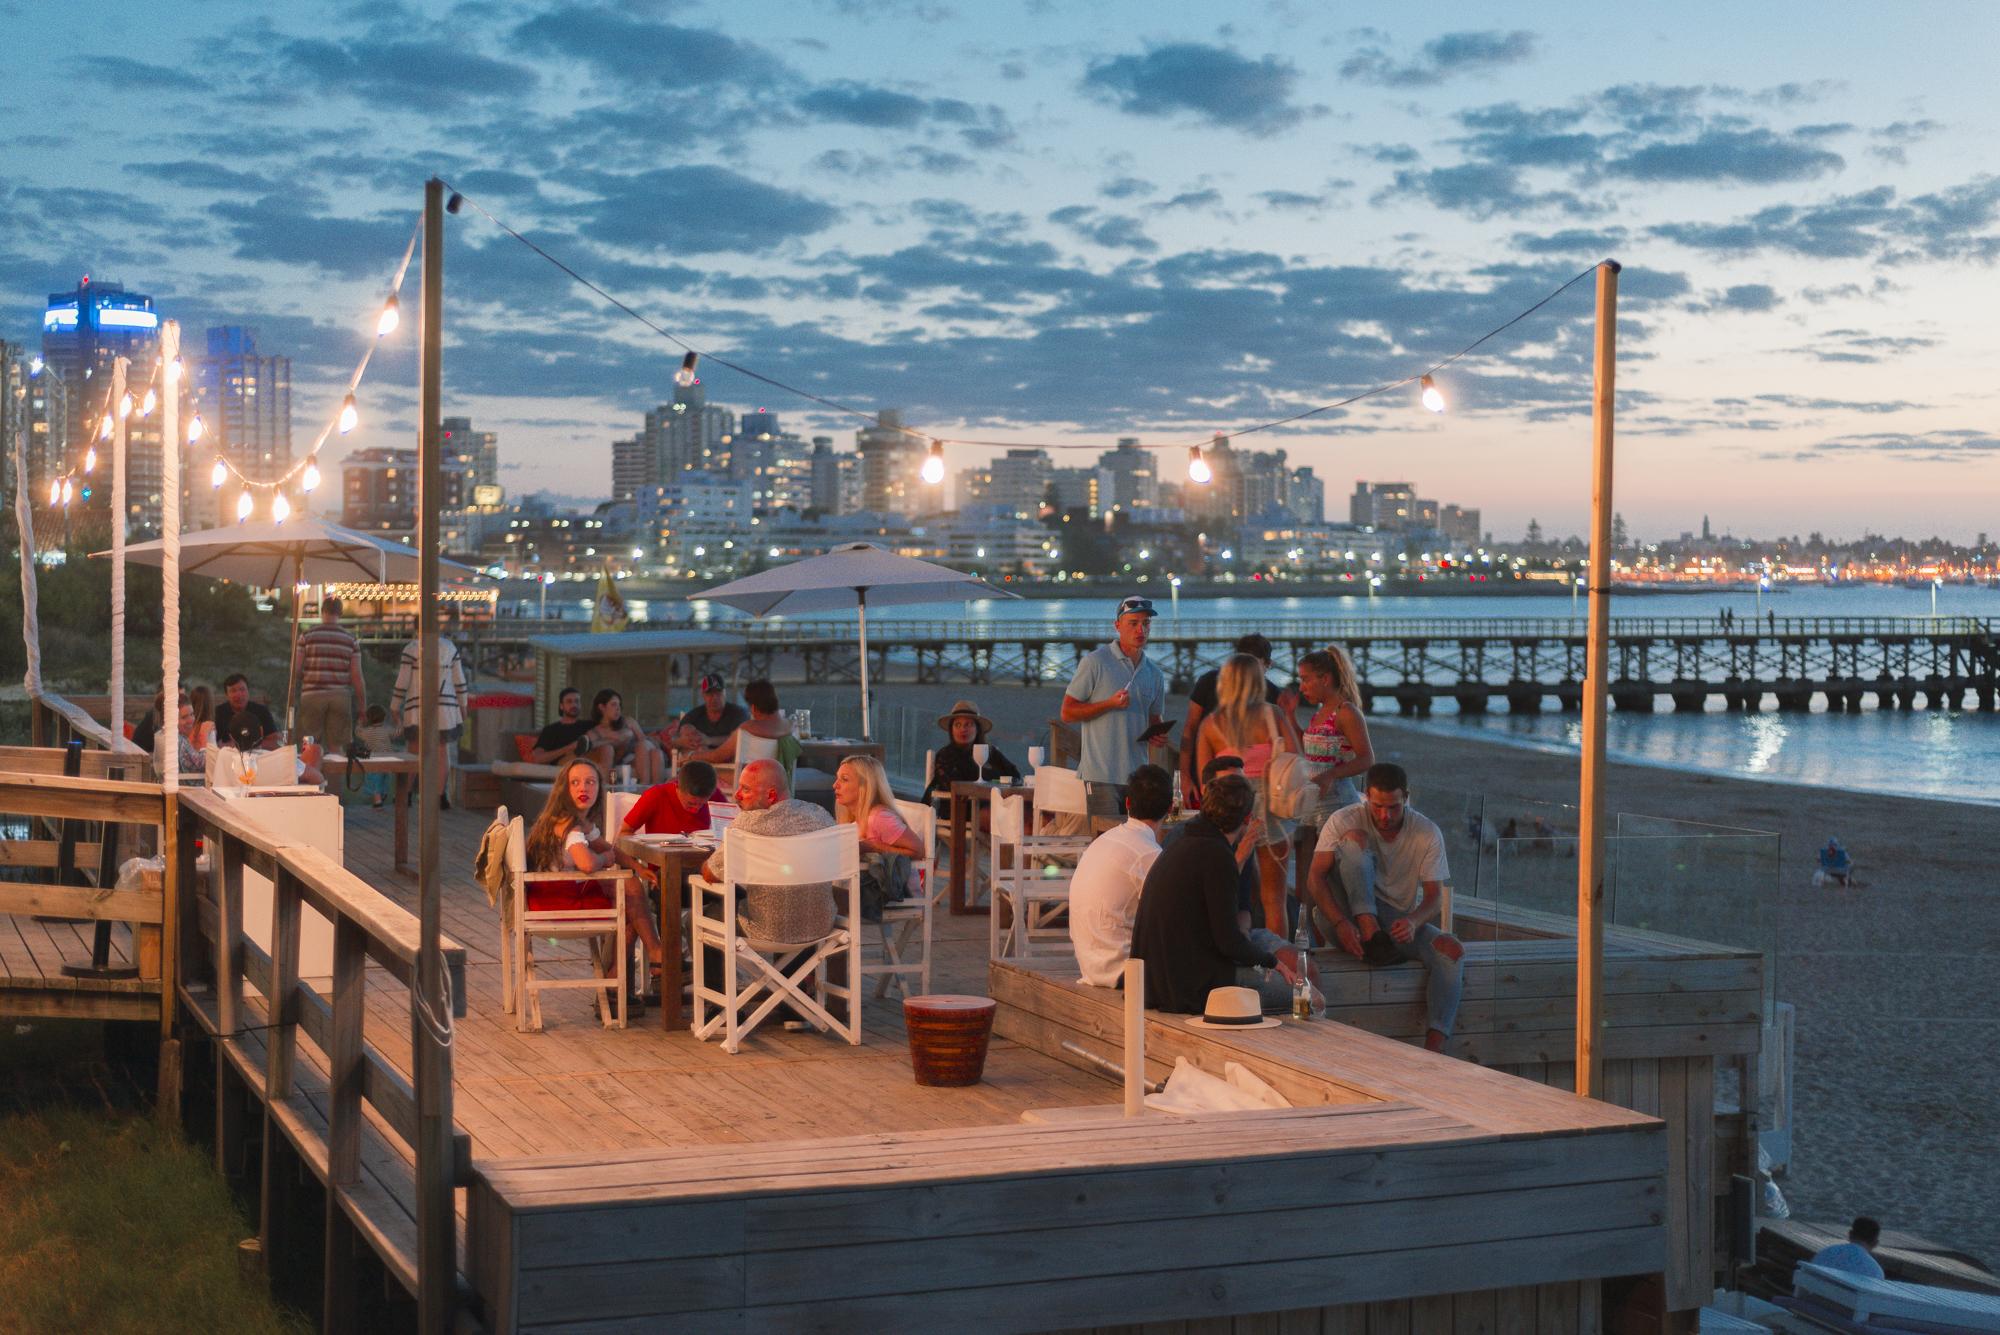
(1064, 223)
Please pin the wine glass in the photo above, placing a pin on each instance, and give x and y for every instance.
(980, 751)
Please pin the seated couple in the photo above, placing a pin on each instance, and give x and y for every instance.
(1377, 882)
(609, 738)
(1175, 907)
(769, 731)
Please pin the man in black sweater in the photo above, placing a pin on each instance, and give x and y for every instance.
(1186, 931)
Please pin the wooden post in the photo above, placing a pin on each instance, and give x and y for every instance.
(168, 1103)
(1135, 1037)
(437, 1250)
(120, 370)
(1596, 689)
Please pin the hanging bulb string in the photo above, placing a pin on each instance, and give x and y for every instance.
(921, 433)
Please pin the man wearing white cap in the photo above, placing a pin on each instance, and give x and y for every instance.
(1114, 698)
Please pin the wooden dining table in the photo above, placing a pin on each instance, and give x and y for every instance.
(401, 766)
(676, 859)
(968, 798)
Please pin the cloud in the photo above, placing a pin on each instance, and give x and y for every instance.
(1897, 136)
(1214, 84)
(1932, 447)
(850, 103)
(1478, 189)
(1756, 157)
(1744, 298)
(699, 210)
(1441, 58)
(1116, 232)
(1861, 347)
(1297, 201)
(210, 177)
(287, 228)
(1957, 223)
(424, 72)
(1801, 403)
(1206, 198)
(1571, 241)
(648, 55)
(1126, 187)
(126, 75)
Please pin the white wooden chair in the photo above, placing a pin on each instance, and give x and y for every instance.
(616, 806)
(1062, 812)
(1030, 886)
(907, 922)
(776, 970)
(604, 927)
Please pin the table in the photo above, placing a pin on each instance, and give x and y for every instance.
(826, 753)
(403, 768)
(967, 795)
(675, 862)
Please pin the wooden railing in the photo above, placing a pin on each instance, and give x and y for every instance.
(53, 721)
(374, 1169)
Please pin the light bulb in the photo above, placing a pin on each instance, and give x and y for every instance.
(933, 471)
(55, 492)
(90, 459)
(685, 376)
(219, 474)
(69, 490)
(150, 402)
(349, 415)
(392, 315)
(174, 371)
(1198, 469)
(104, 428)
(281, 509)
(124, 405)
(36, 365)
(1433, 396)
(195, 428)
(310, 478)
(242, 505)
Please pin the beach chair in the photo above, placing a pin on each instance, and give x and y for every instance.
(1836, 865)
(604, 928)
(1030, 886)
(907, 922)
(759, 976)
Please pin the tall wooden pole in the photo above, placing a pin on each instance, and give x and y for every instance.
(437, 1251)
(1596, 694)
(121, 368)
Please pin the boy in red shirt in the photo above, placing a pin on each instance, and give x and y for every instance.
(678, 806)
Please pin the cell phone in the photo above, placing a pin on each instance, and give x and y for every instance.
(1159, 729)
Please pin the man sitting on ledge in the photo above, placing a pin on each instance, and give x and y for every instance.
(1391, 867)
(1186, 930)
(1104, 890)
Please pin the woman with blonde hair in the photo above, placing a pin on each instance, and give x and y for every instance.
(1244, 725)
(567, 836)
(862, 798)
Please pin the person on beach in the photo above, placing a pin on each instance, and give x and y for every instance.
(709, 723)
(1115, 696)
(332, 693)
(242, 722)
(1202, 702)
(1245, 726)
(678, 806)
(1335, 740)
(954, 762)
(1856, 1256)
(1186, 929)
(1389, 862)
(562, 739)
(1104, 889)
(567, 836)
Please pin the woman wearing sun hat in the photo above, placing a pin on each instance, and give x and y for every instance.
(966, 728)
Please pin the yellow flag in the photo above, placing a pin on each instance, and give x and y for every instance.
(610, 613)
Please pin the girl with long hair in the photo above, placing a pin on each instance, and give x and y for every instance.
(1335, 742)
(861, 798)
(1246, 726)
(568, 836)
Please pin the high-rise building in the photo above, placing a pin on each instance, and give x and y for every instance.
(1091, 490)
(890, 460)
(378, 490)
(245, 402)
(83, 333)
(687, 433)
(1019, 482)
(1390, 506)
(1134, 472)
(1459, 525)
(836, 479)
(1263, 484)
(634, 468)
(15, 416)
(1307, 497)
(478, 450)
(1221, 500)
(48, 424)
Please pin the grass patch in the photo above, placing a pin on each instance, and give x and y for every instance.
(109, 1221)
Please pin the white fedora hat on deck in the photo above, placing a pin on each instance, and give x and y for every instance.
(1233, 1008)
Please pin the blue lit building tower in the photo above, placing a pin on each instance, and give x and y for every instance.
(83, 332)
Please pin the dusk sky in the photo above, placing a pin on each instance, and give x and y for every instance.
(1069, 222)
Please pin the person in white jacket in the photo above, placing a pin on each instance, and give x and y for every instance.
(406, 702)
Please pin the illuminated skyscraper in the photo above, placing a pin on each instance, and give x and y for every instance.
(477, 450)
(890, 458)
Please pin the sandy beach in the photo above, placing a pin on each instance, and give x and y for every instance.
(1896, 1107)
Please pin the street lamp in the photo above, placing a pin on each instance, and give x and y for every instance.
(1174, 588)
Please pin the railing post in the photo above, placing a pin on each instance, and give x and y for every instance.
(281, 1040)
(226, 866)
(343, 1130)
(168, 1103)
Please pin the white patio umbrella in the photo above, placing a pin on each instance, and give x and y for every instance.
(304, 549)
(856, 575)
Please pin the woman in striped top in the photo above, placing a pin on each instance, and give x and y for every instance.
(406, 702)
(1336, 742)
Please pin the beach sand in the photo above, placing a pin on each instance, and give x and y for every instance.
(1897, 982)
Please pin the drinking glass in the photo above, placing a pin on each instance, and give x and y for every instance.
(979, 753)
(1035, 754)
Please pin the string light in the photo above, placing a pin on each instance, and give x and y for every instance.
(350, 417)
(281, 509)
(174, 369)
(243, 504)
(195, 430)
(104, 428)
(392, 315)
(68, 490)
(1433, 397)
(90, 459)
(219, 474)
(125, 405)
(150, 402)
(933, 462)
(55, 491)
(310, 478)
(1198, 469)
(685, 376)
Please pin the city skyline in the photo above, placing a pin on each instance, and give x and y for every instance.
(1228, 223)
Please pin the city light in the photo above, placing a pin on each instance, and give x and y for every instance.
(685, 376)
(1198, 469)
(1433, 396)
(36, 366)
(350, 416)
(392, 315)
(934, 463)
(219, 474)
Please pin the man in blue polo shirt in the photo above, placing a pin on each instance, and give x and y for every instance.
(1114, 696)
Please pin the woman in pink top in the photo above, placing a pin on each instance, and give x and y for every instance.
(1336, 740)
(1244, 725)
(861, 798)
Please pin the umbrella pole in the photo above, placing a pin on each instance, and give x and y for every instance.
(861, 609)
(292, 670)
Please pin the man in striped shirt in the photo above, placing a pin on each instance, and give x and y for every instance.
(329, 667)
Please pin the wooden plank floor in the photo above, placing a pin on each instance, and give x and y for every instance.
(32, 981)
(578, 1087)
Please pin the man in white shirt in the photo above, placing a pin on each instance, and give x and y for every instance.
(1390, 864)
(1104, 890)
(1856, 1256)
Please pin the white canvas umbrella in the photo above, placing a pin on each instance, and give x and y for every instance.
(304, 549)
(857, 575)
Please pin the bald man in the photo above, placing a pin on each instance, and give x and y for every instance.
(792, 914)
